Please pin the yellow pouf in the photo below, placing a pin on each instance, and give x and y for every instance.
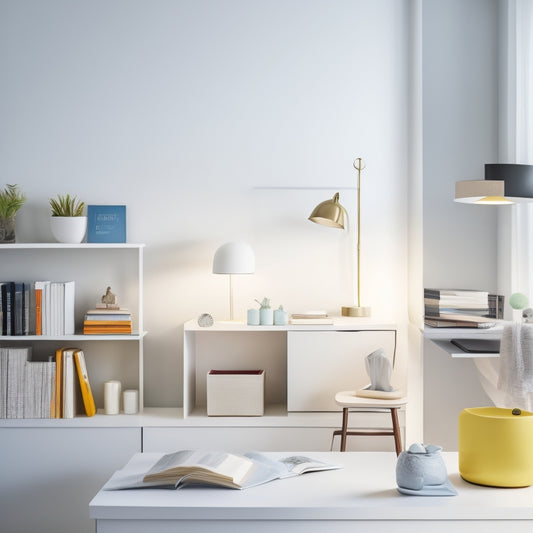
(496, 446)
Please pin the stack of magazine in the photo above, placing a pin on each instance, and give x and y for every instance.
(462, 308)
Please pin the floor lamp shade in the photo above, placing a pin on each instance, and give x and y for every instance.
(329, 213)
(233, 258)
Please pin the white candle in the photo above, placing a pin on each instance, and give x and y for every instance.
(130, 401)
(112, 397)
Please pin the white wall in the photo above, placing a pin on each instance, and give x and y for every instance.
(181, 109)
(460, 125)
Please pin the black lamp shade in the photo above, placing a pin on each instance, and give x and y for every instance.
(518, 178)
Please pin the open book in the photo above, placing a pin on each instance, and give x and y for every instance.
(220, 469)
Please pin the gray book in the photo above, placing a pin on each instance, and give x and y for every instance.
(3, 382)
(16, 362)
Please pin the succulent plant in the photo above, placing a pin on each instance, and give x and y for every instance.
(11, 200)
(66, 206)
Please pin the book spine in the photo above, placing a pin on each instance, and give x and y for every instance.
(27, 325)
(3, 382)
(38, 311)
(18, 308)
(7, 302)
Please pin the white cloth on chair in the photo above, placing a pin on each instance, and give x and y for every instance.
(516, 366)
(379, 369)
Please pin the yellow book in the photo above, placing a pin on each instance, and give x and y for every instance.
(58, 412)
(85, 386)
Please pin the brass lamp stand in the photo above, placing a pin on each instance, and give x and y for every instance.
(331, 213)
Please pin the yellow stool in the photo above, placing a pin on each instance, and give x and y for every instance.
(496, 446)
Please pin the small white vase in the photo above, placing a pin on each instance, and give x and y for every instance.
(68, 229)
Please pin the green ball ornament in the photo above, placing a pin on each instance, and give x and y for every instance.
(518, 300)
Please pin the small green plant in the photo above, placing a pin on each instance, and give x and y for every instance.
(66, 206)
(11, 200)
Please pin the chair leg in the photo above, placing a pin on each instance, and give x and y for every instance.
(396, 430)
(344, 428)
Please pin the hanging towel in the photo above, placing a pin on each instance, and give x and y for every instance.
(516, 365)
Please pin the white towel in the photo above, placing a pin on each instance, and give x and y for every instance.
(516, 365)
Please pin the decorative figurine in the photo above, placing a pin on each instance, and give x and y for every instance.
(527, 315)
(205, 320)
(108, 300)
(421, 471)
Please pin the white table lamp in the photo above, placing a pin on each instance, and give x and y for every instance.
(233, 258)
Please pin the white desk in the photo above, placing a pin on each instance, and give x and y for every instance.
(360, 497)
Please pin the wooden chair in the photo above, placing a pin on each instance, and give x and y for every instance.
(349, 401)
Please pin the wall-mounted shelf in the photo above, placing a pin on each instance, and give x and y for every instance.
(442, 338)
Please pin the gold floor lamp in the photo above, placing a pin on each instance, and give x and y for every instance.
(332, 214)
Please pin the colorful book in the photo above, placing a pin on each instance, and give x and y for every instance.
(38, 308)
(85, 386)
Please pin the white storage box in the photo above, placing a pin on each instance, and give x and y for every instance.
(235, 392)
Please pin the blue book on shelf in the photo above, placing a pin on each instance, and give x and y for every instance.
(106, 223)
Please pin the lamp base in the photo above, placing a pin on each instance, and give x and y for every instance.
(355, 311)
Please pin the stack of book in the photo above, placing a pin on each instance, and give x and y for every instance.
(43, 389)
(311, 318)
(37, 308)
(107, 321)
(461, 308)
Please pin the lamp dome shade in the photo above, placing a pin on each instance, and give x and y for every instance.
(329, 213)
(234, 258)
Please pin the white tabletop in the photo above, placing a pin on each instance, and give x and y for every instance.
(365, 489)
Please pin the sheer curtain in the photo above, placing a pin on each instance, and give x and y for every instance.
(515, 237)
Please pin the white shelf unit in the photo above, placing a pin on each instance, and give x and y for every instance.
(93, 267)
(296, 359)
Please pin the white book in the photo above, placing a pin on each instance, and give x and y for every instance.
(56, 305)
(69, 382)
(29, 407)
(68, 308)
(48, 388)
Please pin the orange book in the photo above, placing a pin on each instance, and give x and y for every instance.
(107, 323)
(85, 386)
(107, 331)
(38, 311)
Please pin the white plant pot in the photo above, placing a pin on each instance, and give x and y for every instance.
(68, 229)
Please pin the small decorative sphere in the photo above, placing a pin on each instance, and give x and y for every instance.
(518, 300)
(205, 320)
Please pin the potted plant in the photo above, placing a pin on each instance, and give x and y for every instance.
(68, 222)
(11, 200)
